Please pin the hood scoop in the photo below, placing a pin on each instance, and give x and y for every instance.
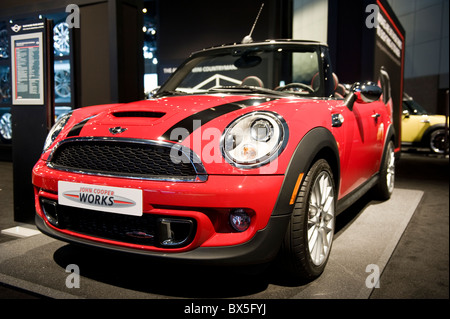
(146, 114)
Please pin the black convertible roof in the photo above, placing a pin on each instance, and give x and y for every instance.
(263, 43)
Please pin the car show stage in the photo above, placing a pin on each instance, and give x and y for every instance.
(363, 246)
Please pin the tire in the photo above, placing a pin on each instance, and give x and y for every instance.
(309, 236)
(437, 141)
(385, 187)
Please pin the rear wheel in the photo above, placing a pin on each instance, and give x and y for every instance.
(385, 187)
(307, 244)
(437, 142)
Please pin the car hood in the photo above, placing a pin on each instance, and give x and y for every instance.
(196, 122)
(157, 119)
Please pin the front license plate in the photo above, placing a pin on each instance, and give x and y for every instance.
(127, 201)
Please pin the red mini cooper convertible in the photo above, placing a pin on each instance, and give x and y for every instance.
(248, 152)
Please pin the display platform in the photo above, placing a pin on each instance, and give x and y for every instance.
(364, 242)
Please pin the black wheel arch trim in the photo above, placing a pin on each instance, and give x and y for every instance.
(390, 136)
(317, 143)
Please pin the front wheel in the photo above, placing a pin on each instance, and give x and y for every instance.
(307, 244)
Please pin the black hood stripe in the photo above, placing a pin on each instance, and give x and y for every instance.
(210, 114)
(188, 123)
(76, 129)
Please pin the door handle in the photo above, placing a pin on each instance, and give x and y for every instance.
(375, 116)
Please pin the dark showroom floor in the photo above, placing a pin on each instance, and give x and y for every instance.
(405, 239)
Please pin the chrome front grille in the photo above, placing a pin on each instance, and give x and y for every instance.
(128, 158)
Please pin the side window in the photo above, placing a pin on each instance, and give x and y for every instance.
(408, 107)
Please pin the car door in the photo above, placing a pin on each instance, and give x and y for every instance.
(414, 124)
(359, 145)
(370, 118)
(360, 139)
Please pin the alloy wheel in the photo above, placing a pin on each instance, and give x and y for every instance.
(437, 141)
(321, 219)
(390, 172)
(5, 126)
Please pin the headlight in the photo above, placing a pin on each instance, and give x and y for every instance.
(56, 129)
(254, 139)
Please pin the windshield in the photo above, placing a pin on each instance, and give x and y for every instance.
(275, 69)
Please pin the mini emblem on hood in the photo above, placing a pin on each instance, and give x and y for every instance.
(117, 130)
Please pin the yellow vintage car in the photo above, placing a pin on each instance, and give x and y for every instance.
(421, 129)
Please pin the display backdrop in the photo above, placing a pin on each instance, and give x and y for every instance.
(188, 26)
(32, 104)
(364, 37)
(390, 55)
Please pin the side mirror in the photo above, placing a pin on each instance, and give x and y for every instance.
(150, 94)
(366, 92)
(406, 114)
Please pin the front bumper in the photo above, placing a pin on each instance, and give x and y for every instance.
(207, 204)
(263, 247)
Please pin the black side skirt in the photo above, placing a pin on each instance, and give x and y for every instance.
(351, 198)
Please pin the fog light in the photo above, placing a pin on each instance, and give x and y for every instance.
(239, 220)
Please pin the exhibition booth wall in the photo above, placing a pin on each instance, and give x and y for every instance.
(115, 39)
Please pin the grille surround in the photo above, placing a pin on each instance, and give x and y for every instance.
(186, 167)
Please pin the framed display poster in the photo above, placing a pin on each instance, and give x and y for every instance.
(27, 69)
